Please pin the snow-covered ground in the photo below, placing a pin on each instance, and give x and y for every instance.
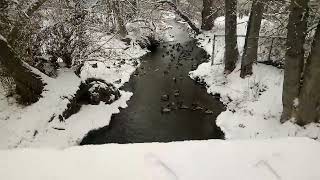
(253, 111)
(38, 125)
(254, 104)
(282, 159)
(122, 60)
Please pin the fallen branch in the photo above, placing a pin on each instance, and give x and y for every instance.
(182, 15)
(59, 129)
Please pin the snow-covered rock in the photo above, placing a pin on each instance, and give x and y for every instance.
(98, 90)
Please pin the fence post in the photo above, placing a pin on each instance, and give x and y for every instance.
(213, 47)
(270, 51)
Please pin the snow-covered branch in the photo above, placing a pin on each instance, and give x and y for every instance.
(182, 15)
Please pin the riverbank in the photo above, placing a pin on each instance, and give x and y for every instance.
(254, 104)
(40, 125)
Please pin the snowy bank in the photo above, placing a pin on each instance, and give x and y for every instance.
(40, 124)
(19, 125)
(285, 159)
(254, 104)
(116, 64)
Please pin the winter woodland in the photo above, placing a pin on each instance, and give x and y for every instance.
(159, 89)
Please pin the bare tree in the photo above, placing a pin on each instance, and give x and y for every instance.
(231, 53)
(121, 24)
(12, 37)
(208, 15)
(28, 85)
(294, 60)
(309, 99)
(252, 38)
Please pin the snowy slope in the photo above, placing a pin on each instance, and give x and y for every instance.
(282, 159)
(38, 125)
(254, 104)
(20, 124)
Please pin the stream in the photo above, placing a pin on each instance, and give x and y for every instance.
(167, 105)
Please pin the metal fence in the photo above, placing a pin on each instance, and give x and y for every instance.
(274, 45)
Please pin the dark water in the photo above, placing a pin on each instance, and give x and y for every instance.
(164, 72)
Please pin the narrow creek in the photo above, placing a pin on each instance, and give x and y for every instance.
(162, 84)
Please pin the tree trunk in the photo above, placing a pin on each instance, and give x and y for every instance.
(121, 24)
(231, 53)
(28, 85)
(252, 38)
(208, 15)
(309, 99)
(294, 60)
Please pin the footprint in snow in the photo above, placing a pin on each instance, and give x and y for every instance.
(157, 169)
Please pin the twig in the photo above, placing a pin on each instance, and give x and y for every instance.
(99, 48)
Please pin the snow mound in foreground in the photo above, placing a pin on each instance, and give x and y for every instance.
(285, 159)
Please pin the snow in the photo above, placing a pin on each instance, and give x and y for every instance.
(38, 125)
(296, 102)
(19, 124)
(2, 38)
(253, 111)
(285, 159)
(78, 125)
(117, 68)
(33, 126)
(108, 72)
(254, 104)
